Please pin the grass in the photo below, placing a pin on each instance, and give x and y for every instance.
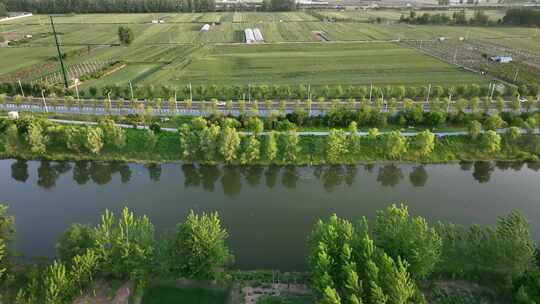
(133, 72)
(172, 295)
(285, 299)
(529, 44)
(315, 64)
(526, 74)
(289, 26)
(395, 14)
(13, 59)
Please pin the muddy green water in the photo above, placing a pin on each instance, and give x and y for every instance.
(268, 211)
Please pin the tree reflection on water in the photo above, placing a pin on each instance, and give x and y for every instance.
(233, 178)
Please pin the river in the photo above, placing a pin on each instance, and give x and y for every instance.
(268, 211)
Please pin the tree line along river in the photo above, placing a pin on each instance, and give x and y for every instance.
(268, 211)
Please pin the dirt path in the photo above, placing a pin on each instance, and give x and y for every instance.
(252, 294)
(101, 294)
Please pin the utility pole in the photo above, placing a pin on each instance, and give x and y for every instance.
(110, 102)
(44, 101)
(20, 86)
(59, 53)
(131, 89)
(77, 90)
(175, 101)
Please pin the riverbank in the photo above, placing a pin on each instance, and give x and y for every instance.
(309, 150)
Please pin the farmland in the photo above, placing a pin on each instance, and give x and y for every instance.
(395, 14)
(176, 52)
(315, 64)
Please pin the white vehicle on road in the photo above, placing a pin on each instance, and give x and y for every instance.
(13, 115)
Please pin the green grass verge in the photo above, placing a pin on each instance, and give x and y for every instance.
(172, 295)
(311, 151)
(285, 299)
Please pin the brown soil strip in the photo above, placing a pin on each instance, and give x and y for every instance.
(114, 70)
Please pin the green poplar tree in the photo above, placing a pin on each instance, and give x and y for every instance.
(336, 146)
(396, 281)
(209, 144)
(198, 248)
(94, 140)
(270, 146)
(377, 294)
(255, 125)
(330, 296)
(83, 268)
(229, 143)
(6, 234)
(491, 142)
(474, 128)
(513, 134)
(185, 143)
(288, 146)
(125, 245)
(113, 135)
(251, 151)
(424, 143)
(409, 238)
(57, 284)
(395, 144)
(36, 138)
(354, 138)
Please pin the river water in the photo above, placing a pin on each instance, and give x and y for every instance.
(268, 211)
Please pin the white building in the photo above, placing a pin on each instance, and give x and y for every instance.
(205, 28)
(501, 59)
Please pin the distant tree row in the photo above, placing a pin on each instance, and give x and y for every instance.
(136, 6)
(279, 5)
(264, 92)
(371, 117)
(109, 6)
(3, 12)
(459, 18)
(197, 5)
(518, 16)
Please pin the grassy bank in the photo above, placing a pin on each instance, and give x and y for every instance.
(310, 150)
(167, 294)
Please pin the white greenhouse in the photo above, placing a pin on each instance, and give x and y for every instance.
(250, 37)
(258, 35)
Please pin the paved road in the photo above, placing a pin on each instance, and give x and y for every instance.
(197, 108)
